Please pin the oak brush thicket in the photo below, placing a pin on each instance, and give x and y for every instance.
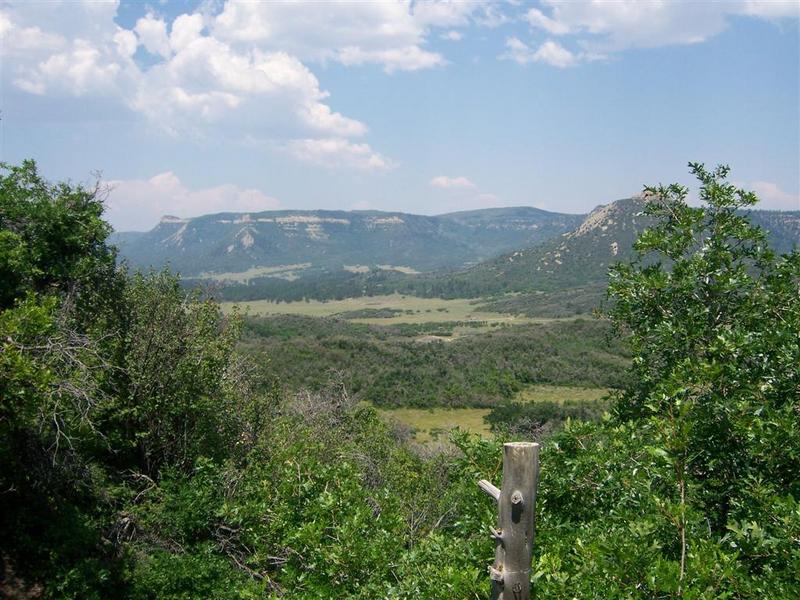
(144, 455)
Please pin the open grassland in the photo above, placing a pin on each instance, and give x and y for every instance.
(287, 272)
(409, 309)
(429, 424)
(560, 394)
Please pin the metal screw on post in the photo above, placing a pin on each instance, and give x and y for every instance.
(516, 504)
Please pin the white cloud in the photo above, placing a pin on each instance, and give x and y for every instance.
(126, 42)
(67, 49)
(773, 197)
(78, 70)
(445, 182)
(554, 54)
(137, 205)
(185, 30)
(409, 58)
(152, 33)
(233, 69)
(601, 28)
(390, 34)
(338, 152)
(550, 52)
(538, 19)
(236, 71)
(452, 36)
(207, 82)
(772, 9)
(20, 40)
(491, 16)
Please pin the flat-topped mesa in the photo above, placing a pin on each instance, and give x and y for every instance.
(285, 220)
(234, 242)
(169, 219)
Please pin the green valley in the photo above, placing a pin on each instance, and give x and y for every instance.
(321, 436)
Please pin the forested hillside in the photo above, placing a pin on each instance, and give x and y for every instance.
(152, 446)
(392, 366)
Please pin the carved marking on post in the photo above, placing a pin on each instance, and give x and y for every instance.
(516, 504)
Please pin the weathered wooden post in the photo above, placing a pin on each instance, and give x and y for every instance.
(516, 506)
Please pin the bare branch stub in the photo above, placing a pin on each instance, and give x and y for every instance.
(490, 489)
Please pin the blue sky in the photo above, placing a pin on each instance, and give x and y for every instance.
(188, 108)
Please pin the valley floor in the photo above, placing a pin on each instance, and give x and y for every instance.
(435, 424)
(386, 310)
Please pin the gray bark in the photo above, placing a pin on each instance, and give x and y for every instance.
(511, 572)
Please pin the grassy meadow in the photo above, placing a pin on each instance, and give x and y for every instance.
(410, 309)
(287, 272)
(560, 394)
(430, 424)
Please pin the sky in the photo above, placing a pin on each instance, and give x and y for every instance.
(186, 108)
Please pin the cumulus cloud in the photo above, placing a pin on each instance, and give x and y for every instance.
(445, 182)
(773, 197)
(338, 152)
(207, 82)
(137, 205)
(452, 36)
(771, 9)
(65, 49)
(409, 58)
(389, 34)
(152, 33)
(77, 71)
(538, 19)
(602, 28)
(237, 70)
(550, 52)
(234, 69)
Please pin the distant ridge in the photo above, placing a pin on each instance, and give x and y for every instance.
(581, 257)
(323, 241)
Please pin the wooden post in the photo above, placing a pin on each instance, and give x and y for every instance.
(516, 506)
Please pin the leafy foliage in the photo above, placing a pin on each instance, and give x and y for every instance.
(388, 367)
(536, 420)
(714, 323)
(52, 237)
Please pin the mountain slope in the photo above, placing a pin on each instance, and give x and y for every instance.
(576, 258)
(581, 258)
(294, 243)
(782, 227)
